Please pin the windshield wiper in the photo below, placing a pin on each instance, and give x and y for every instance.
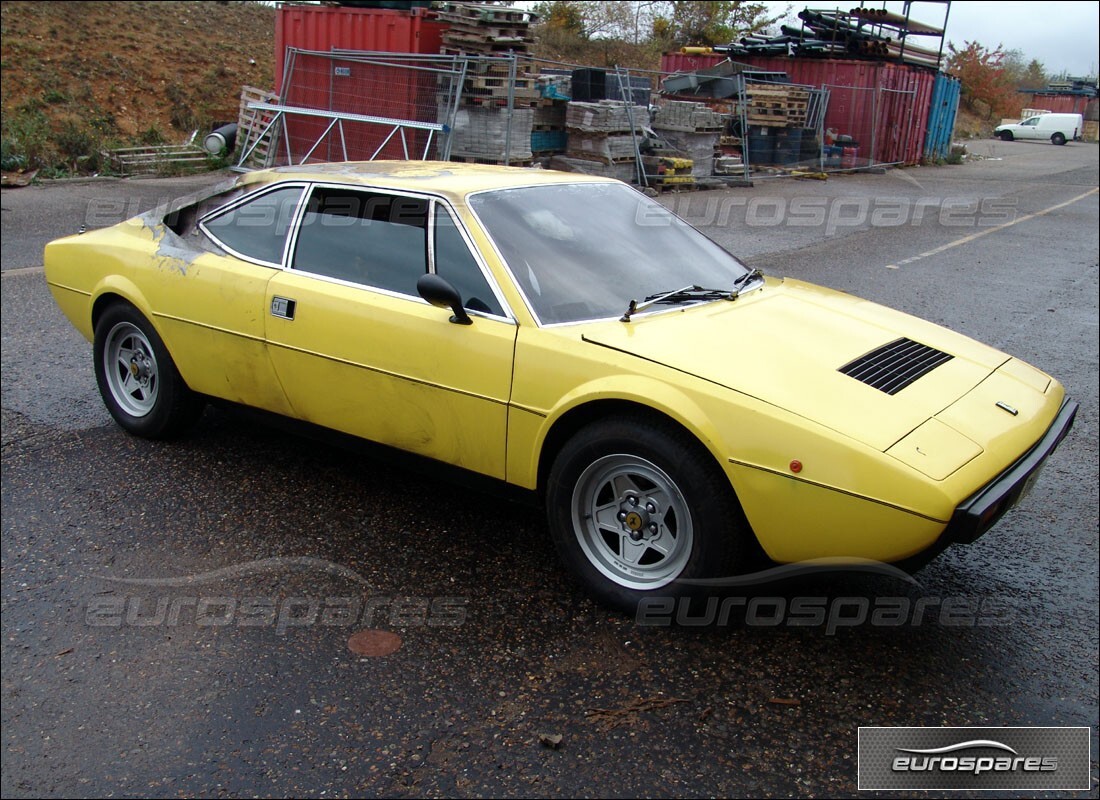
(744, 281)
(690, 292)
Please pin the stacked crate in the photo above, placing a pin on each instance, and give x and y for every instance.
(776, 105)
(495, 32)
(677, 115)
(484, 135)
(602, 131)
(548, 135)
(487, 128)
(694, 130)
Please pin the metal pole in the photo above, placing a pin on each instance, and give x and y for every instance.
(450, 124)
(874, 115)
(628, 99)
(511, 105)
(742, 102)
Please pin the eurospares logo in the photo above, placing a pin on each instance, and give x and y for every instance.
(950, 759)
(1037, 759)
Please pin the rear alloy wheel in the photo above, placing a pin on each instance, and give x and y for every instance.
(137, 378)
(635, 507)
(1058, 139)
(1006, 136)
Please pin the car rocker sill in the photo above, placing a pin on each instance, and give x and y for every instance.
(978, 513)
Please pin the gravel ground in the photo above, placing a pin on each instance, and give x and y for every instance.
(245, 683)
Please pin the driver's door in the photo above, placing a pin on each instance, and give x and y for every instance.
(357, 350)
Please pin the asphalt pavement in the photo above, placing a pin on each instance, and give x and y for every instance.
(250, 612)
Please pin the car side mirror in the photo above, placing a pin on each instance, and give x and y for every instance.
(439, 292)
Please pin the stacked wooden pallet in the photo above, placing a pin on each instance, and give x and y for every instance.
(481, 28)
(776, 105)
(492, 32)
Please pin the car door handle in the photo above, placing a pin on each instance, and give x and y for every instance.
(283, 307)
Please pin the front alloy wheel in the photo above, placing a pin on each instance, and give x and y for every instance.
(639, 509)
(632, 521)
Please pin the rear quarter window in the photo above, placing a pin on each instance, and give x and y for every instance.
(257, 228)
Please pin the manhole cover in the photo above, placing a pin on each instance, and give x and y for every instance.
(374, 643)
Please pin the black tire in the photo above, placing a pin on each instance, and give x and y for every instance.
(658, 488)
(1006, 136)
(1058, 139)
(137, 378)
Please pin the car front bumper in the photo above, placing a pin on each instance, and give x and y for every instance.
(980, 512)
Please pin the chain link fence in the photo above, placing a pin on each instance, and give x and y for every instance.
(647, 127)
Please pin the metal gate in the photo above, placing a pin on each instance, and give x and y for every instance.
(356, 106)
(350, 106)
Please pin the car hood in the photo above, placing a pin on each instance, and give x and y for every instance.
(786, 345)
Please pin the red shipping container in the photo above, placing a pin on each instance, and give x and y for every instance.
(883, 102)
(352, 87)
(324, 28)
(1055, 103)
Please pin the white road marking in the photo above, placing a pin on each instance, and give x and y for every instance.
(11, 273)
(980, 234)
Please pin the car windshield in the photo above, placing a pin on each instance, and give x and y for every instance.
(584, 251)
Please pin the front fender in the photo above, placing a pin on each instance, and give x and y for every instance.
(529, 429)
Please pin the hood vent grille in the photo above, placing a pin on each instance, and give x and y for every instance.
(896, 365)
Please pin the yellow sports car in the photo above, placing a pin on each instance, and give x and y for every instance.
(677, 412)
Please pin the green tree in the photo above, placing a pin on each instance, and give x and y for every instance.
(562, 16)
(1035, 76)
(987, 83)
(703, 23)
(635, 32)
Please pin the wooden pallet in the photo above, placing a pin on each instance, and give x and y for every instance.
(461, 29)
(777, 122)
(251, 123)
(490, 161)
(524, 64)
(495, 101)
(501, 83)
(590, 156)
(479, 12)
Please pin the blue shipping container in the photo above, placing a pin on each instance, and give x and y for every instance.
(941, 117)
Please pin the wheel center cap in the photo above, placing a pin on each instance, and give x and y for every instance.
(634, 520)
(135, 370)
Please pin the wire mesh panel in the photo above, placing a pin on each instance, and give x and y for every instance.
(850, 127)
(895, 128)
(401, 95)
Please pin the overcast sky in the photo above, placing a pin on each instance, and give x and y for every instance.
(1062, 35)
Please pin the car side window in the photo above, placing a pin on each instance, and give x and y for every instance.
(377, 240)
(1033, 121)
(455, 262)
(256, 229)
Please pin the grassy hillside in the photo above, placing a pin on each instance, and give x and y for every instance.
(80, 76)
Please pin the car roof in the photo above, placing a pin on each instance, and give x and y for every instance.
(440, 177)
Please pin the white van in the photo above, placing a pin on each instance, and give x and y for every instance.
(1059, 128)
